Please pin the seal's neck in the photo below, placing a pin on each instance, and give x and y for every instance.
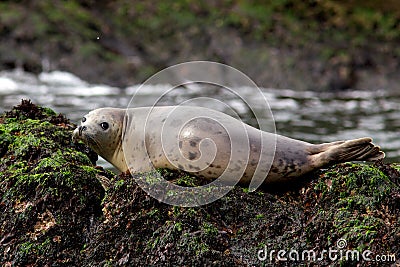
(118, 159)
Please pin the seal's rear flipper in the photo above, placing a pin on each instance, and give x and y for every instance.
(342, 151)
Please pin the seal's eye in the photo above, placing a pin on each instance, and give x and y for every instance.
(104, 125)
(83, 119)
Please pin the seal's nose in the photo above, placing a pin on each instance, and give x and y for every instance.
(81, 129)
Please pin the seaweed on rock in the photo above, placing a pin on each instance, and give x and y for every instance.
(357, 203)
(48, 188)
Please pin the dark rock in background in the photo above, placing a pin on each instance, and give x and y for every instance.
(318, 45)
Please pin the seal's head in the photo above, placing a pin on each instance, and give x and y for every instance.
(101, 130)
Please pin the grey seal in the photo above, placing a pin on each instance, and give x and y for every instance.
(208, 144)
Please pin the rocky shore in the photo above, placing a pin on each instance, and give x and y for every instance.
(317, 45)
(54, 210)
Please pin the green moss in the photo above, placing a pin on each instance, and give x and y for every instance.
(209, 229)
(363, 187)
(260, 216)
(344, 201)
(187, 180)
(153, 212)
(396, 166)
(355, 228)
(350, 197)
(194, 244)
(47, 187)
(119, 183)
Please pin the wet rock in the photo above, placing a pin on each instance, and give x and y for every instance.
(49, 192)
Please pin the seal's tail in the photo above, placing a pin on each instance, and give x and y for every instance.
(351, 150)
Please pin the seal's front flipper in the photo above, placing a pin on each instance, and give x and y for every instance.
(342, 151)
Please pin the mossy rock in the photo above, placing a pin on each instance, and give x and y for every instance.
(359, 203)
(48, 188)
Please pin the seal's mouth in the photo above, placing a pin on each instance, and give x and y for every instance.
(87, 138)
(90, 141)
(78, 133)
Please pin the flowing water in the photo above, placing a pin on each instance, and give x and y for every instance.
(310, 116)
